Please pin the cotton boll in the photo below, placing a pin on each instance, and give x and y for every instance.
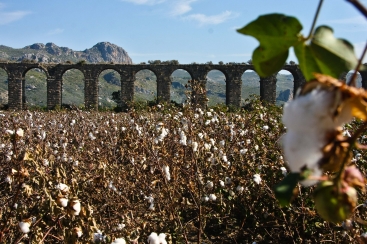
(302, 151)
(183, 138)
(243, 151)
(166, 172)
(62, 201)
(62, 187)
(119, 241)
(20, 132)
(257, 179)
(209, 184)
(162, 238)
(98, 237)
(311, 111)
(240, 188)
(284, 170)
(221, 183)
(74, 206)
(194, 146)
(77, 232)
(212, 197)
(222, 143)
(25, 225)
(153, 238)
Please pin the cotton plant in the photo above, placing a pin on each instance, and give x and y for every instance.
(319, 111)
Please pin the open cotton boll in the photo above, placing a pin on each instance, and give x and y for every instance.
(310, 111)
(311, 118)
(162, 238)
(74, 206)
(119, 241)
(166, 172)
(25, 226)
(153, 238)
(304, 152)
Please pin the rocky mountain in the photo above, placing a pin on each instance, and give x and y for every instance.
(50, 52)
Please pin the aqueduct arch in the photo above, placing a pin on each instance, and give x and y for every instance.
(54, 72)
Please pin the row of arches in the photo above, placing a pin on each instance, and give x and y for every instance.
(145, 86)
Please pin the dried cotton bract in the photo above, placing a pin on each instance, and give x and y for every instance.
(314, 119)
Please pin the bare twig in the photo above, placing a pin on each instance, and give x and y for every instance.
(359, 6)
(314, 20)
(354, 76)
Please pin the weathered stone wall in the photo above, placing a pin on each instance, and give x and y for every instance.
(54, 72)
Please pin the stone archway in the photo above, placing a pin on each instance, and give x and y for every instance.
(216, 87)
(145, 86)
(285, 87)
(109, 81)
(73, 88)
(250, 85)
(179, 78)
(34, 85)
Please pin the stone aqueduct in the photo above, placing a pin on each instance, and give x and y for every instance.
(54, 72)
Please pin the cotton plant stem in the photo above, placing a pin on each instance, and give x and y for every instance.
(314, 20)
(354, 76)
(359, 6)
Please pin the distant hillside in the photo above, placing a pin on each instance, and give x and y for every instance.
(101, 52)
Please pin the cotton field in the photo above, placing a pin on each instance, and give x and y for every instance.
(167, 175)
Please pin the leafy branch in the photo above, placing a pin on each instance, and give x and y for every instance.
(320, 52)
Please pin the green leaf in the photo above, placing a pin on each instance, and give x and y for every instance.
(284, 190)
(306, 60)
(276, 34)
(333, 56)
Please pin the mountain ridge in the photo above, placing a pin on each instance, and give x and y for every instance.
(50, 52)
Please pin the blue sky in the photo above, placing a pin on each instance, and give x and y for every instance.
(184, 30)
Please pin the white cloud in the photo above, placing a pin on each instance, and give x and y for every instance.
(181, 7)
(8, 17)
(203, 19)
(145, 2)
(55, 31)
